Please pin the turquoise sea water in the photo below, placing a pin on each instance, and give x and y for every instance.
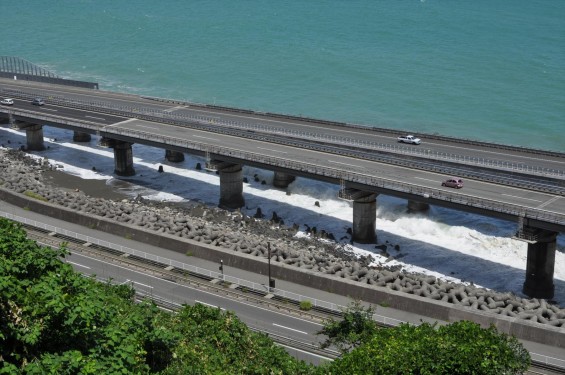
(483, 69)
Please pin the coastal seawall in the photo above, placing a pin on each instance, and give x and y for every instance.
(523, 329)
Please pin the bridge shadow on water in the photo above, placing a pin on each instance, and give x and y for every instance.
(314, 204)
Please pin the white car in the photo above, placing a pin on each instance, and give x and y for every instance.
(7, 101)
(409, 139)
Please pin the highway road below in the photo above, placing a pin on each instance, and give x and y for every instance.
(280, 324)
(288, 125)
(402, 176)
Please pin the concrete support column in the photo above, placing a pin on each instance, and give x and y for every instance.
(540, 264)
(123, 159)
(231, 186)
(415, 206)
(34, 137)
(174, 156)
(365, 218)
(282, 180)
(81, 137)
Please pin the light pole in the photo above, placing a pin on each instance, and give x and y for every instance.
(271, 281)
(222, 269)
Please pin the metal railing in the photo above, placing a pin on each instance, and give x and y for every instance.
(208, 121)
(379, 182)
(337, 174)
(364, 127)
(216, 275)
(17, 65)
(179, 265)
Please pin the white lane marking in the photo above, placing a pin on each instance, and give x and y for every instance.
(303, 351)
(77, 264)
(549, 202)
(515, 196)
(96, 118)
(337, 162)
(123, 122)
(268, 149)
(208, 304)
(147, 127)
(196, 289)
(169, 110)
(199, 136)
(145, 285)
(425, 179)
(292, 329)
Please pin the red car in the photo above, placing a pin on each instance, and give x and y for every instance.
(454, 182)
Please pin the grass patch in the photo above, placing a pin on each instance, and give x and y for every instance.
(33, 195)
(305, 305)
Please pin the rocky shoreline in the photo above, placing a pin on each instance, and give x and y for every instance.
(241, 233)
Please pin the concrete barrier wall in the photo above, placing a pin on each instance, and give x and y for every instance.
(52, 80)
(520, 328)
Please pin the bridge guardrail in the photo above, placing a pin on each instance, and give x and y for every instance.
(397, 149)
(380, 182)
(337, 174)
(344, 152)
(364, 127)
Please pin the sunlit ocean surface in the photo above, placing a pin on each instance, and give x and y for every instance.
(489, 70)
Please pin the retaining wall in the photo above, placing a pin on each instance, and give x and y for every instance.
(520, 328)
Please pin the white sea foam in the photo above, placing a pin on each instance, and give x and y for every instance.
(443, 242)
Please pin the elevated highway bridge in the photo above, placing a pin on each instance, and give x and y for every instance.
(514, 183)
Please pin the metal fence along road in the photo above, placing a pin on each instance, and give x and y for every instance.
(186, 120)
(173, 305)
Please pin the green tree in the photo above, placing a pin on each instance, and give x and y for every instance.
(216, 342)
(54, 321)
(458, 348)
(356, 327)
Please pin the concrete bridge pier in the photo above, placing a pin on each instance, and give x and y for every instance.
(415, 206)
(364, 217)
(174, 156)
(81, 137)
(34, 136)
(231, 185)
(123, 158)
(282, 180)
(540, 264)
